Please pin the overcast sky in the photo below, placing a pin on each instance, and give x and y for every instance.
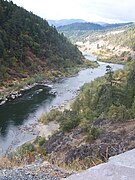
(89, 10)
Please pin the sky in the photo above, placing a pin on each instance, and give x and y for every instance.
(90, 10)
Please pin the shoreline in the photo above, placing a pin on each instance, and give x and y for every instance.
(16, 92)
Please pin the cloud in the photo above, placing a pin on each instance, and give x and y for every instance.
(92, 10)
(50, 8)
(113, 9)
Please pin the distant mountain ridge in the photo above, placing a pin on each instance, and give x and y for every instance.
(80, 26)
(90, 26)
(63, 22)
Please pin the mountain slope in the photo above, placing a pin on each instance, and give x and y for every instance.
(125, 38)
(28, 45)
(112, 46)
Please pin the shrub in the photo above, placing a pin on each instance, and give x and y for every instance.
(132, 110)
(118, 113)
(40, 140)
(92, 134)
(69, 120)
(26, 148)
(53, 115)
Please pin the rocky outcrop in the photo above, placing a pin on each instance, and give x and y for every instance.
(15, 94)
(114, 139)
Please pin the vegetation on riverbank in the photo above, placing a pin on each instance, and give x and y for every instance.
(110, 59)
(110, 97)
(52, 75)
(106, 103)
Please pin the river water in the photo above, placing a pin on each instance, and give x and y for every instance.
(18, 116)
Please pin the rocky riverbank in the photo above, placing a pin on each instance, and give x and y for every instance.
(18, 93)
(16, 88)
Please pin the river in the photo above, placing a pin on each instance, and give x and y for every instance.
(18, 116)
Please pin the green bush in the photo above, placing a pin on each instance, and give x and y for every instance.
(26, 148)
(132, 109)
(92, 134)
(69, 120)
(118, 113)
(40, 140)
(53, 115)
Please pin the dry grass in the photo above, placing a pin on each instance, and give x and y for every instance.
(16, 161)
(6, 163)
(80, 165)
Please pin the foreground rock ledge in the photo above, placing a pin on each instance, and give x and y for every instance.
(120, 167)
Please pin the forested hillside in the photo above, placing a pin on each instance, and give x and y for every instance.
(28, 45)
